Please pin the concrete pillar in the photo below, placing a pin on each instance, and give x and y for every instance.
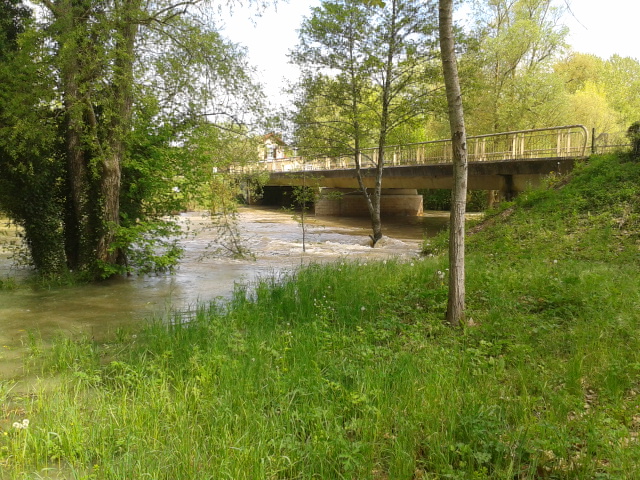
(508, 191)
(351, 203)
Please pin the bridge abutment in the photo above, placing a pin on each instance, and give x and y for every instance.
(404, 202)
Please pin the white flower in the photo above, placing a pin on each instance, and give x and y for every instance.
(21, 425)
(363, 308)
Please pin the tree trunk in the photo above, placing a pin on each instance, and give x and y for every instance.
(111, 166)
(456, 300)
(71, 19)
(77, 215)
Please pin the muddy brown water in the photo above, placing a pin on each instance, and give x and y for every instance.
(273, 237)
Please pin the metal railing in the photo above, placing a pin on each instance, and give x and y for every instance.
(609, 142)
(555, 142)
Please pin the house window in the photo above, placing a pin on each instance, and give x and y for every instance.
(271, 152)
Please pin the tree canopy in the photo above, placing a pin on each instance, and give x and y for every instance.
(92, 148)
(366, 71)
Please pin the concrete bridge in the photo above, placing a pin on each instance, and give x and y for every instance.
(506, 163)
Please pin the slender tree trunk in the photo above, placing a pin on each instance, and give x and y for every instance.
(376, 221)
(372, 200)
(456, 301)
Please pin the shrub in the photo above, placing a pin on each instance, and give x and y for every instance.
(633, 133)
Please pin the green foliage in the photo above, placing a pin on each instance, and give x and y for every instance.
(303, 198)
(102, 116)
(633, 132)
(13, 16)
(31, 171)
(8, 283)
(149, 247)
(360, 101)
(441, 200)
(593, 216)
(510, 51)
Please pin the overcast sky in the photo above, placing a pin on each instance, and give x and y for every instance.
(601, 27)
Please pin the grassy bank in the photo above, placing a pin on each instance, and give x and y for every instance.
(346, 371)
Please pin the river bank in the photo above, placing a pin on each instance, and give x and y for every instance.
(272, 239)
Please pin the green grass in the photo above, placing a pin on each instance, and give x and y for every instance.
(346, 371)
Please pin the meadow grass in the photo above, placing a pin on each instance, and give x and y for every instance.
(346, 371)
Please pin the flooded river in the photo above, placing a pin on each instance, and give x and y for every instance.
(273, 237)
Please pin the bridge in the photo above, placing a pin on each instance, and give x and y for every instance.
(507, 163)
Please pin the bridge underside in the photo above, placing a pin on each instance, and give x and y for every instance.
(508, 177)
(347, 202)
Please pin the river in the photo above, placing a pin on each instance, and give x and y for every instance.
(274, 238)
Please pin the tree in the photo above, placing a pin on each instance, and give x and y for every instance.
(30, 146)
(112, 69)
(515, 43)
(13, 15)
(365, 66)
(602, 94)
(456, 298)
(621, 82)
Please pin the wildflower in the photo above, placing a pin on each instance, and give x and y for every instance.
(412, 264)
(555, 262)
(363, 308)
(21, 425)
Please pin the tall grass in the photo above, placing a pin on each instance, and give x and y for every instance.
(346, 371)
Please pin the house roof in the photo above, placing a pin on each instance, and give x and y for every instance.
(274, 137)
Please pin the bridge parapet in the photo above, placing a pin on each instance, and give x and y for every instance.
(556, 142)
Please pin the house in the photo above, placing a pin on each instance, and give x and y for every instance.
(273, 147)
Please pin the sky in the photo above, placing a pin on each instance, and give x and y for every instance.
(603, 28)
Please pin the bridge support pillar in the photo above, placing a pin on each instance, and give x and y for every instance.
(344, 202)
(508, 189)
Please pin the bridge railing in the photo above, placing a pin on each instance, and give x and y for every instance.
(610, 141)
(556, 142)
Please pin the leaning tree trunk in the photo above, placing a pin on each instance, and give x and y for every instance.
(456, 301)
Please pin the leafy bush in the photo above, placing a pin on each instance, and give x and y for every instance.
(633, 133)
